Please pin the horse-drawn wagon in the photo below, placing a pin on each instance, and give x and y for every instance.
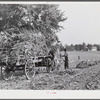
(27, 64)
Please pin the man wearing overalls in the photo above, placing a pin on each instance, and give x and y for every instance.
(66, 65)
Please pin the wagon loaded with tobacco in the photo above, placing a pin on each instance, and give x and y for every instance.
(25, 63)
(26, 56)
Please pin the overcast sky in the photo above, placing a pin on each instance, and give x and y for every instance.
(83, 23)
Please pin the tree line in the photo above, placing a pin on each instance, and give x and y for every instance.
(80, 47)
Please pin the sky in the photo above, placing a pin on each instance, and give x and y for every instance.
(82, 24)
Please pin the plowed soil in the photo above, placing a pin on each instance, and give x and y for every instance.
(70, 79)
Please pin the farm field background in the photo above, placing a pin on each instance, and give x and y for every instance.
(88, 55)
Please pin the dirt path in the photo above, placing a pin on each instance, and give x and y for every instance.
(71, 79)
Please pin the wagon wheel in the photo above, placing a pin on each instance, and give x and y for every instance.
(6, 72)
(29, 69)
(49, 64)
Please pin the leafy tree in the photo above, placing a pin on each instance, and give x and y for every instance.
(84, 46)
(89, 46)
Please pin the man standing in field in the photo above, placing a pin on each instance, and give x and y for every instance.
(66, 59)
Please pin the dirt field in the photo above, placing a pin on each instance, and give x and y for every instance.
(73, 57)
(70, 79)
